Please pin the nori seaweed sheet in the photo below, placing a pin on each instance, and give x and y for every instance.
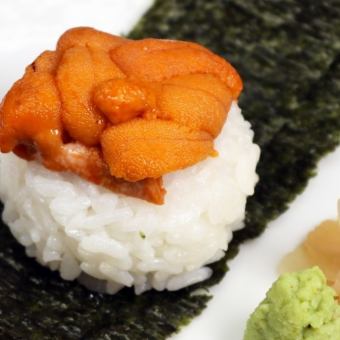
(288, 55)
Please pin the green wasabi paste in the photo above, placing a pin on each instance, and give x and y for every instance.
(299, 306)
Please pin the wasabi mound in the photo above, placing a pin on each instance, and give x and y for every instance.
(298, 306)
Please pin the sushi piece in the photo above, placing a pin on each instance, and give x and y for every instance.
(126, 163)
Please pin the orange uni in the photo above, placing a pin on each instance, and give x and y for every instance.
(117, 112)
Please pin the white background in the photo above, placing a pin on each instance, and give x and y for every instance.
(28, 27)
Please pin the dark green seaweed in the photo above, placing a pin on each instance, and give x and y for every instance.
(288, 55)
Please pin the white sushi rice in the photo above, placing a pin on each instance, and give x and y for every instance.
(88, 232)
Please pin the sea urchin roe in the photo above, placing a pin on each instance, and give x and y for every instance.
(88, 37)
(75, 79)
(143, 59)
(31, 113)
(133, 150)
(117, 112)
(120, 100)
(176, 103)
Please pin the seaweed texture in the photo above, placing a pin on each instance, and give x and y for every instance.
(288, 55)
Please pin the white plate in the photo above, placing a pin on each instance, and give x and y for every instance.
(28, 27)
